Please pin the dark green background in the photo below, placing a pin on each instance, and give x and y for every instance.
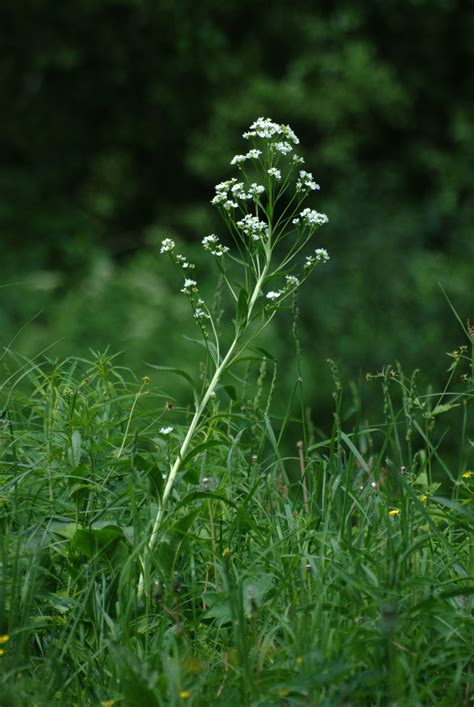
(118, 117)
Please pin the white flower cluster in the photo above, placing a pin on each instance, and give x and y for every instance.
(267, 129)
(274, 172)
(306, 181)
(310, 217)
(291, 281)
(165, 430)
(200, 314)
(231, 189)
(320, 256)
(283, 147)
(167, 245)
(212, 244)
(222, 195)
(255, 189)
(238, 190)
(189, 287)
(297, 159)
(251, 155)
(253, 227)
(274, 295)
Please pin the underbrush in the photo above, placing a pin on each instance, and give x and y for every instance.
(335, 575)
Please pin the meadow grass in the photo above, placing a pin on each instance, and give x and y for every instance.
(159, 549)
(334, 572)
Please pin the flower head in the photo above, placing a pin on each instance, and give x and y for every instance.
(306, 182)
(165, 430)
(189, 286)
(211, 243)
(167, 245)
(274, 172)
(310, 217)
(267, 129)
(320, 256)
(274, 295)
(253, 227)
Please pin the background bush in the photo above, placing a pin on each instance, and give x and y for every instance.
(119, 117)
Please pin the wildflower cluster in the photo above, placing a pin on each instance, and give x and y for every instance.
(266, 128)
(310, 217)
(213, 245)
(252, 226)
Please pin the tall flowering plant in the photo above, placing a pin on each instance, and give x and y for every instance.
(261, 209)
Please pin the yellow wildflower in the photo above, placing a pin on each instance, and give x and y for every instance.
(299, 660)
(468, 474)
(2, 652)
(226, 552)
(184, 694)
(4, 639)
(394, 512)
(423, 498)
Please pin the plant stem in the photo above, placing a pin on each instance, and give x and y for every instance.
(220, 370)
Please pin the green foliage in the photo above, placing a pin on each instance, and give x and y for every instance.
(341, 573)
(103, 156)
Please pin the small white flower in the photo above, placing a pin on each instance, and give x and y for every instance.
(320, 256)
(306, 182)
(311, 217)
(219, 198)
(167, 245)
(255, 189)
(189, 286)
(207, 241)
(181, 260)
(199, 313)
(229, 204)
(283, 147)
(253, 227)
(253, 154)
(211, 244)
(267, 129)
(238, 159)
(274, 172)
(165, 430)
(292, 281)
(297, 159)
(274, 295)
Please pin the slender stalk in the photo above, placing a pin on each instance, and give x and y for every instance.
(220, 370)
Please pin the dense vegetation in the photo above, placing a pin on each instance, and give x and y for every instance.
(119, 118)
(242, 498)
(340, 574)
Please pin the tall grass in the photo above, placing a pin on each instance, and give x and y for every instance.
(336, 574)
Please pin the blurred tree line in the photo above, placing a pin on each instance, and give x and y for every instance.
(119, 116)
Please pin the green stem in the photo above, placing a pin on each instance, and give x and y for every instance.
(197, 417)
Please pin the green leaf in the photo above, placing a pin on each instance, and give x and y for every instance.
(178, 372)
(440, 409)
(90, 541)
(198, 449)
(355, 452)
(453, 505)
